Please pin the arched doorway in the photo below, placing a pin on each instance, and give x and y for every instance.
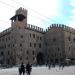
(40, 58)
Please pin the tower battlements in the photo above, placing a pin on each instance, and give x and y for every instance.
(62, 26)
(36, 28)
(21, 11)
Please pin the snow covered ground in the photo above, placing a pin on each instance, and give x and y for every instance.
(41, 71)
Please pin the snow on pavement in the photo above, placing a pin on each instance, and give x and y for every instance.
(41, 71)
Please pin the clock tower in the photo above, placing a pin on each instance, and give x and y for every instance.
(18, 25)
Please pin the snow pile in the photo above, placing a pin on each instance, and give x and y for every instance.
(41, 71)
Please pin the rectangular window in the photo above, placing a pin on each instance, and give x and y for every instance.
(9, 38)
(6, 39)
(33, 52)
(37, 37)
(2, 53)
(40, 38)
(27, 52)
(13, 45)
(20, 45)
(33, 58)
(39, 45)
(34, 44)
(33, 35)
(30, 34)
(69, 38)
(8, 52)
(20, 58)
(27, 58)
(54, 39)
(21, 36)
(30, 44)
(74, 39)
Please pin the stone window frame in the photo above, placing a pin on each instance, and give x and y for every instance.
(30, 44)
(30, 35)
(69, 38)
(21, 36)
(40, 38)
(2, 53)
(33, 52)
(40, 45)
(73, 39)
(34, 44)
(54, 39)
(20, 44)
(33, 35)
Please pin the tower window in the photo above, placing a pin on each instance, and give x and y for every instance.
(20, 17)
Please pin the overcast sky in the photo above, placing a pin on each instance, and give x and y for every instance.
(41, 13)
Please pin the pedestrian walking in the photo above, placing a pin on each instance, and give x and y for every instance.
(22, 69)
(28, 69)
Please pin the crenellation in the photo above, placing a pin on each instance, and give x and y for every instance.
(68, 28)
(56, 25)
(33, 27)
(65, 27)
(59, 25)
(48, 28)
(62, 25)
(28, 25)
(52, 25)
(42, 29)
(36, 27)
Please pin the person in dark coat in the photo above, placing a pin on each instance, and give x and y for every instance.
(28, 69)
(22, 69)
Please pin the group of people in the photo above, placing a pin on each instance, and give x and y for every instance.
(23, 69)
